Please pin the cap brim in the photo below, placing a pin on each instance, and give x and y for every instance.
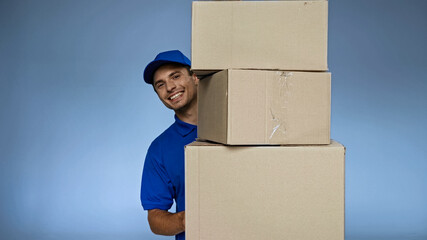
(151, 68)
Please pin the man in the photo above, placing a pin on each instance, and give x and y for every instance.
(163, 173)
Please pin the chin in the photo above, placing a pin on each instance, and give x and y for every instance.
(175, 107)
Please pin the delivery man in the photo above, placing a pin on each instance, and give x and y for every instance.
(163, 173)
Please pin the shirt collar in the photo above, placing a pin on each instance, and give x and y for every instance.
(184, 128)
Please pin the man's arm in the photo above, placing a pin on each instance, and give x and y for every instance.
(165, 223)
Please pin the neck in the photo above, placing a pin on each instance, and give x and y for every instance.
(188, 115)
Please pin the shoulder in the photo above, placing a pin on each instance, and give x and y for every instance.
(166, 135)
(162, 139)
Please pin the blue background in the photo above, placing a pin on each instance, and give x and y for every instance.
(76, 117)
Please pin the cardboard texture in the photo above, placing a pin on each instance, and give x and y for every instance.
(250, 107)
(264, 192)
(278, 35)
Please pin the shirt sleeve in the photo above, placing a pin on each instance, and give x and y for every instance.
(156, 185)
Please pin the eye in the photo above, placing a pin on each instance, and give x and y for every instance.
(176, 76)
(159, 85)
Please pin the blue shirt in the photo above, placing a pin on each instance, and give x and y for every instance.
(163, 173)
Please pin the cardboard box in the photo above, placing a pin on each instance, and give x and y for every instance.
(264, 192)
(278, 35)
(252, 107)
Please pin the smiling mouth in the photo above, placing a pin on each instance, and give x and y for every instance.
(175, 96)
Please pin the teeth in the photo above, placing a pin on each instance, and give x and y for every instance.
(175, 96)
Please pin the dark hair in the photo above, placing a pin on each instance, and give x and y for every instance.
(188, 70)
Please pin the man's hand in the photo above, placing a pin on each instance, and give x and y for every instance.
(165, 223)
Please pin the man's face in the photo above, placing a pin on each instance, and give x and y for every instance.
(175, 87)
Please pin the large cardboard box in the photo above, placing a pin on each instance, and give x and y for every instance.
(264, 192)
(282, 35)
(254, 107)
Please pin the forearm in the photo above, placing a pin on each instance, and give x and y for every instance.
(166, 223)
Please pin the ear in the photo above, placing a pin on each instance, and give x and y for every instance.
(195, 79)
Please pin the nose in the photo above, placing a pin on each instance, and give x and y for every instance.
(170, 86)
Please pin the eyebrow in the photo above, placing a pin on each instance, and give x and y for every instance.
(170, 75)
(173, 73)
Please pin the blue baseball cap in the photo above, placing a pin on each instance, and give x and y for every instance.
(173, 56)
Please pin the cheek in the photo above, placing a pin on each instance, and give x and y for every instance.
(161, 95)
(194, 89)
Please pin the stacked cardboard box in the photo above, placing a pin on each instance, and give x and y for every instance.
(264, 98)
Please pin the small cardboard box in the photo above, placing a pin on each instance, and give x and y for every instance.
(264, 192)
(252, 107)
(278, 35)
